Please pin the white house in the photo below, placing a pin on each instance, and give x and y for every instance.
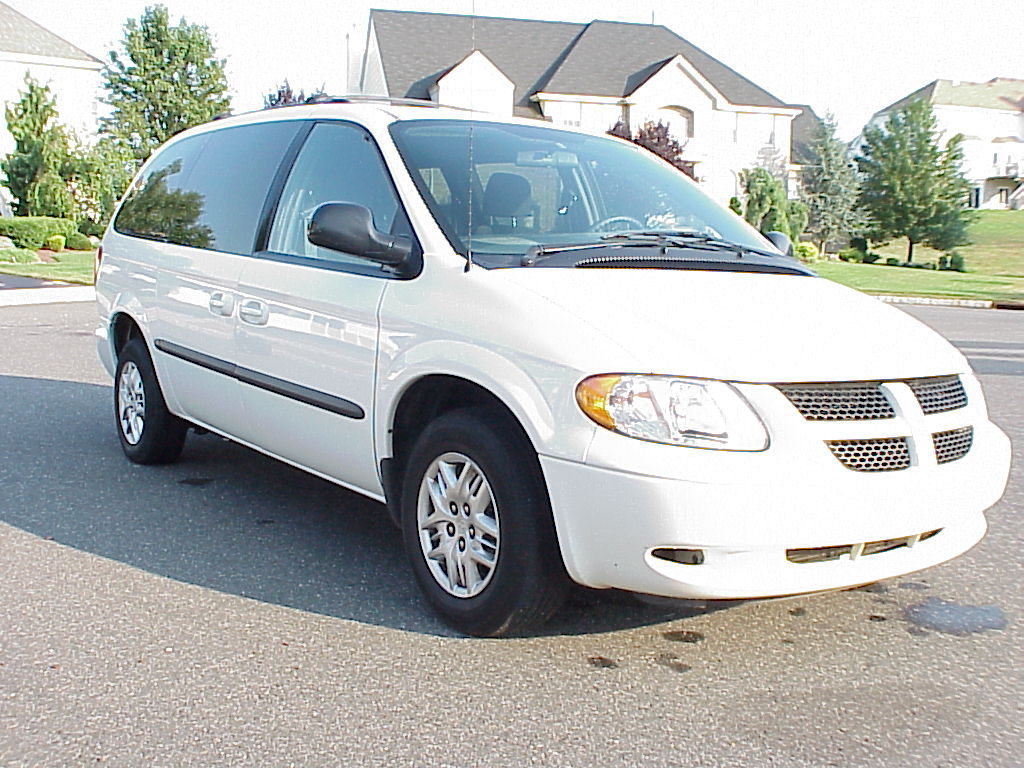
(72, 75)
(990, 116)
(588, 76)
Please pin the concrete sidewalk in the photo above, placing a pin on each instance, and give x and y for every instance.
(15, 293)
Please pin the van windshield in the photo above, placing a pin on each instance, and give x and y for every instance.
(500, 191)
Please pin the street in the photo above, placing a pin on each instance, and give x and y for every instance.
(231, 610)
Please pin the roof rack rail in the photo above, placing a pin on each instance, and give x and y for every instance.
(323, 98)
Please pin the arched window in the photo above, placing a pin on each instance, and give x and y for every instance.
(679, 120)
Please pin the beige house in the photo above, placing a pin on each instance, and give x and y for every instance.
(990, 116)
(72, 75)
(586, 76)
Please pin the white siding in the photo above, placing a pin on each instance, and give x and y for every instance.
(475, 83)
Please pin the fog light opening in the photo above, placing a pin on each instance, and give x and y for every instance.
(678, 555)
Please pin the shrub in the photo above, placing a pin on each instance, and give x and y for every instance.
(870, 258)
(956, 262)
(851, 254)
(806, 252)
(31, 231)
(55, 243)
(79, 242)
(892, 261)
(18, 256)
(943, 262)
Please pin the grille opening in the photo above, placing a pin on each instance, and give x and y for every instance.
(939, 394)
(861, 401)
(679, 555)
(825, 554)
(884, 454)
(952, 444)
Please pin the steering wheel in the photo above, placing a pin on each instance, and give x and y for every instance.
(605, 225)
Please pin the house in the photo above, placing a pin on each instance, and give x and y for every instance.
(72, 75)
(586, 76)
(990, 116)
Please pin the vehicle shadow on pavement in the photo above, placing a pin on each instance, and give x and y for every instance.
(230, 519)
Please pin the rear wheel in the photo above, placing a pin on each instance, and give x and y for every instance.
(477, 526)
(149, 433)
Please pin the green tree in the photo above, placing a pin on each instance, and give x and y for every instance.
(100, 174)
(767, 208)
(911, 186)
(166, 80)
(38, 169)
(831, 188)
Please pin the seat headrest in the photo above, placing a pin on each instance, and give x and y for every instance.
(507, 194)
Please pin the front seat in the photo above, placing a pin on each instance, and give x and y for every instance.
(508, 206)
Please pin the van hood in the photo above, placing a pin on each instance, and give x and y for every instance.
(738, 326)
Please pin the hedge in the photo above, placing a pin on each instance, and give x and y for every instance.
(31, 231)
(79, 242)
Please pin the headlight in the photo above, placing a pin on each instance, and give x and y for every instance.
(664, 409)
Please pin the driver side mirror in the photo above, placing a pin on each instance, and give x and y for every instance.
(781, 241)
(348, 228)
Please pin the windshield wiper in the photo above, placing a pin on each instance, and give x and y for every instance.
(683, 238)
(646, 239)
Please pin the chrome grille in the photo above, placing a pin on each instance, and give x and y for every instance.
(953, 444)
(883, 454)
(936, 395)
(839, 402)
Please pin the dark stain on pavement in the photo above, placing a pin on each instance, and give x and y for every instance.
(955, 618)
(602, 662)
(197, 482)
(683, 636)
(672, 661)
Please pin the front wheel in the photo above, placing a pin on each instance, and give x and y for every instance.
(149, 433)
(478, 528)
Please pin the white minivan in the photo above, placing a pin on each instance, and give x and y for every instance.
(548, 352)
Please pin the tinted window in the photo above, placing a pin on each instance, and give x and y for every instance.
(338, 163)
(209, 191)
(159, 206)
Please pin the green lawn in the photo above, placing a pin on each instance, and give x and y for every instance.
(994, 262)
(70, 266)
(872, 278)
(998, 247)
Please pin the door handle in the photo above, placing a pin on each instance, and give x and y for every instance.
(222, 303)
(253, 311)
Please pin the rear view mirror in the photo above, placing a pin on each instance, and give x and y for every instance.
(544, 159)
(348, 228)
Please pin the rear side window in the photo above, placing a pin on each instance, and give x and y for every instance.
(208, 191)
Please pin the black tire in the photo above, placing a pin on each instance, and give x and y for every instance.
(527, 582)
(149, 433)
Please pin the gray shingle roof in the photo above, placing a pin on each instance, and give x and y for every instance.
(613, 58)
(803, 134)
(418, 48)
(19, 34)
(603, 58)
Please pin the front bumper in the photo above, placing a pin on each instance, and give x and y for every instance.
(745, 519)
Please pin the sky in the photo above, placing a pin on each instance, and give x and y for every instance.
(846, 58)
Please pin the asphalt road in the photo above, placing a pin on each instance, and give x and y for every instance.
(229, 610)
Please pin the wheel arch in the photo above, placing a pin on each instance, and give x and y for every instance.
(422, 401)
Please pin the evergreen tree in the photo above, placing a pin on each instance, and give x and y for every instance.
(767, 208)
(911, 186)
(831, 188)
(100, 174)
(166, 80)
(40, 165)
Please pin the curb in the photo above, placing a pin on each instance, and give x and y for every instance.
(973, 303)
(22, 297)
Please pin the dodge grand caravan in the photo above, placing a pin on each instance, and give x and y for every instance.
(549, 354)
